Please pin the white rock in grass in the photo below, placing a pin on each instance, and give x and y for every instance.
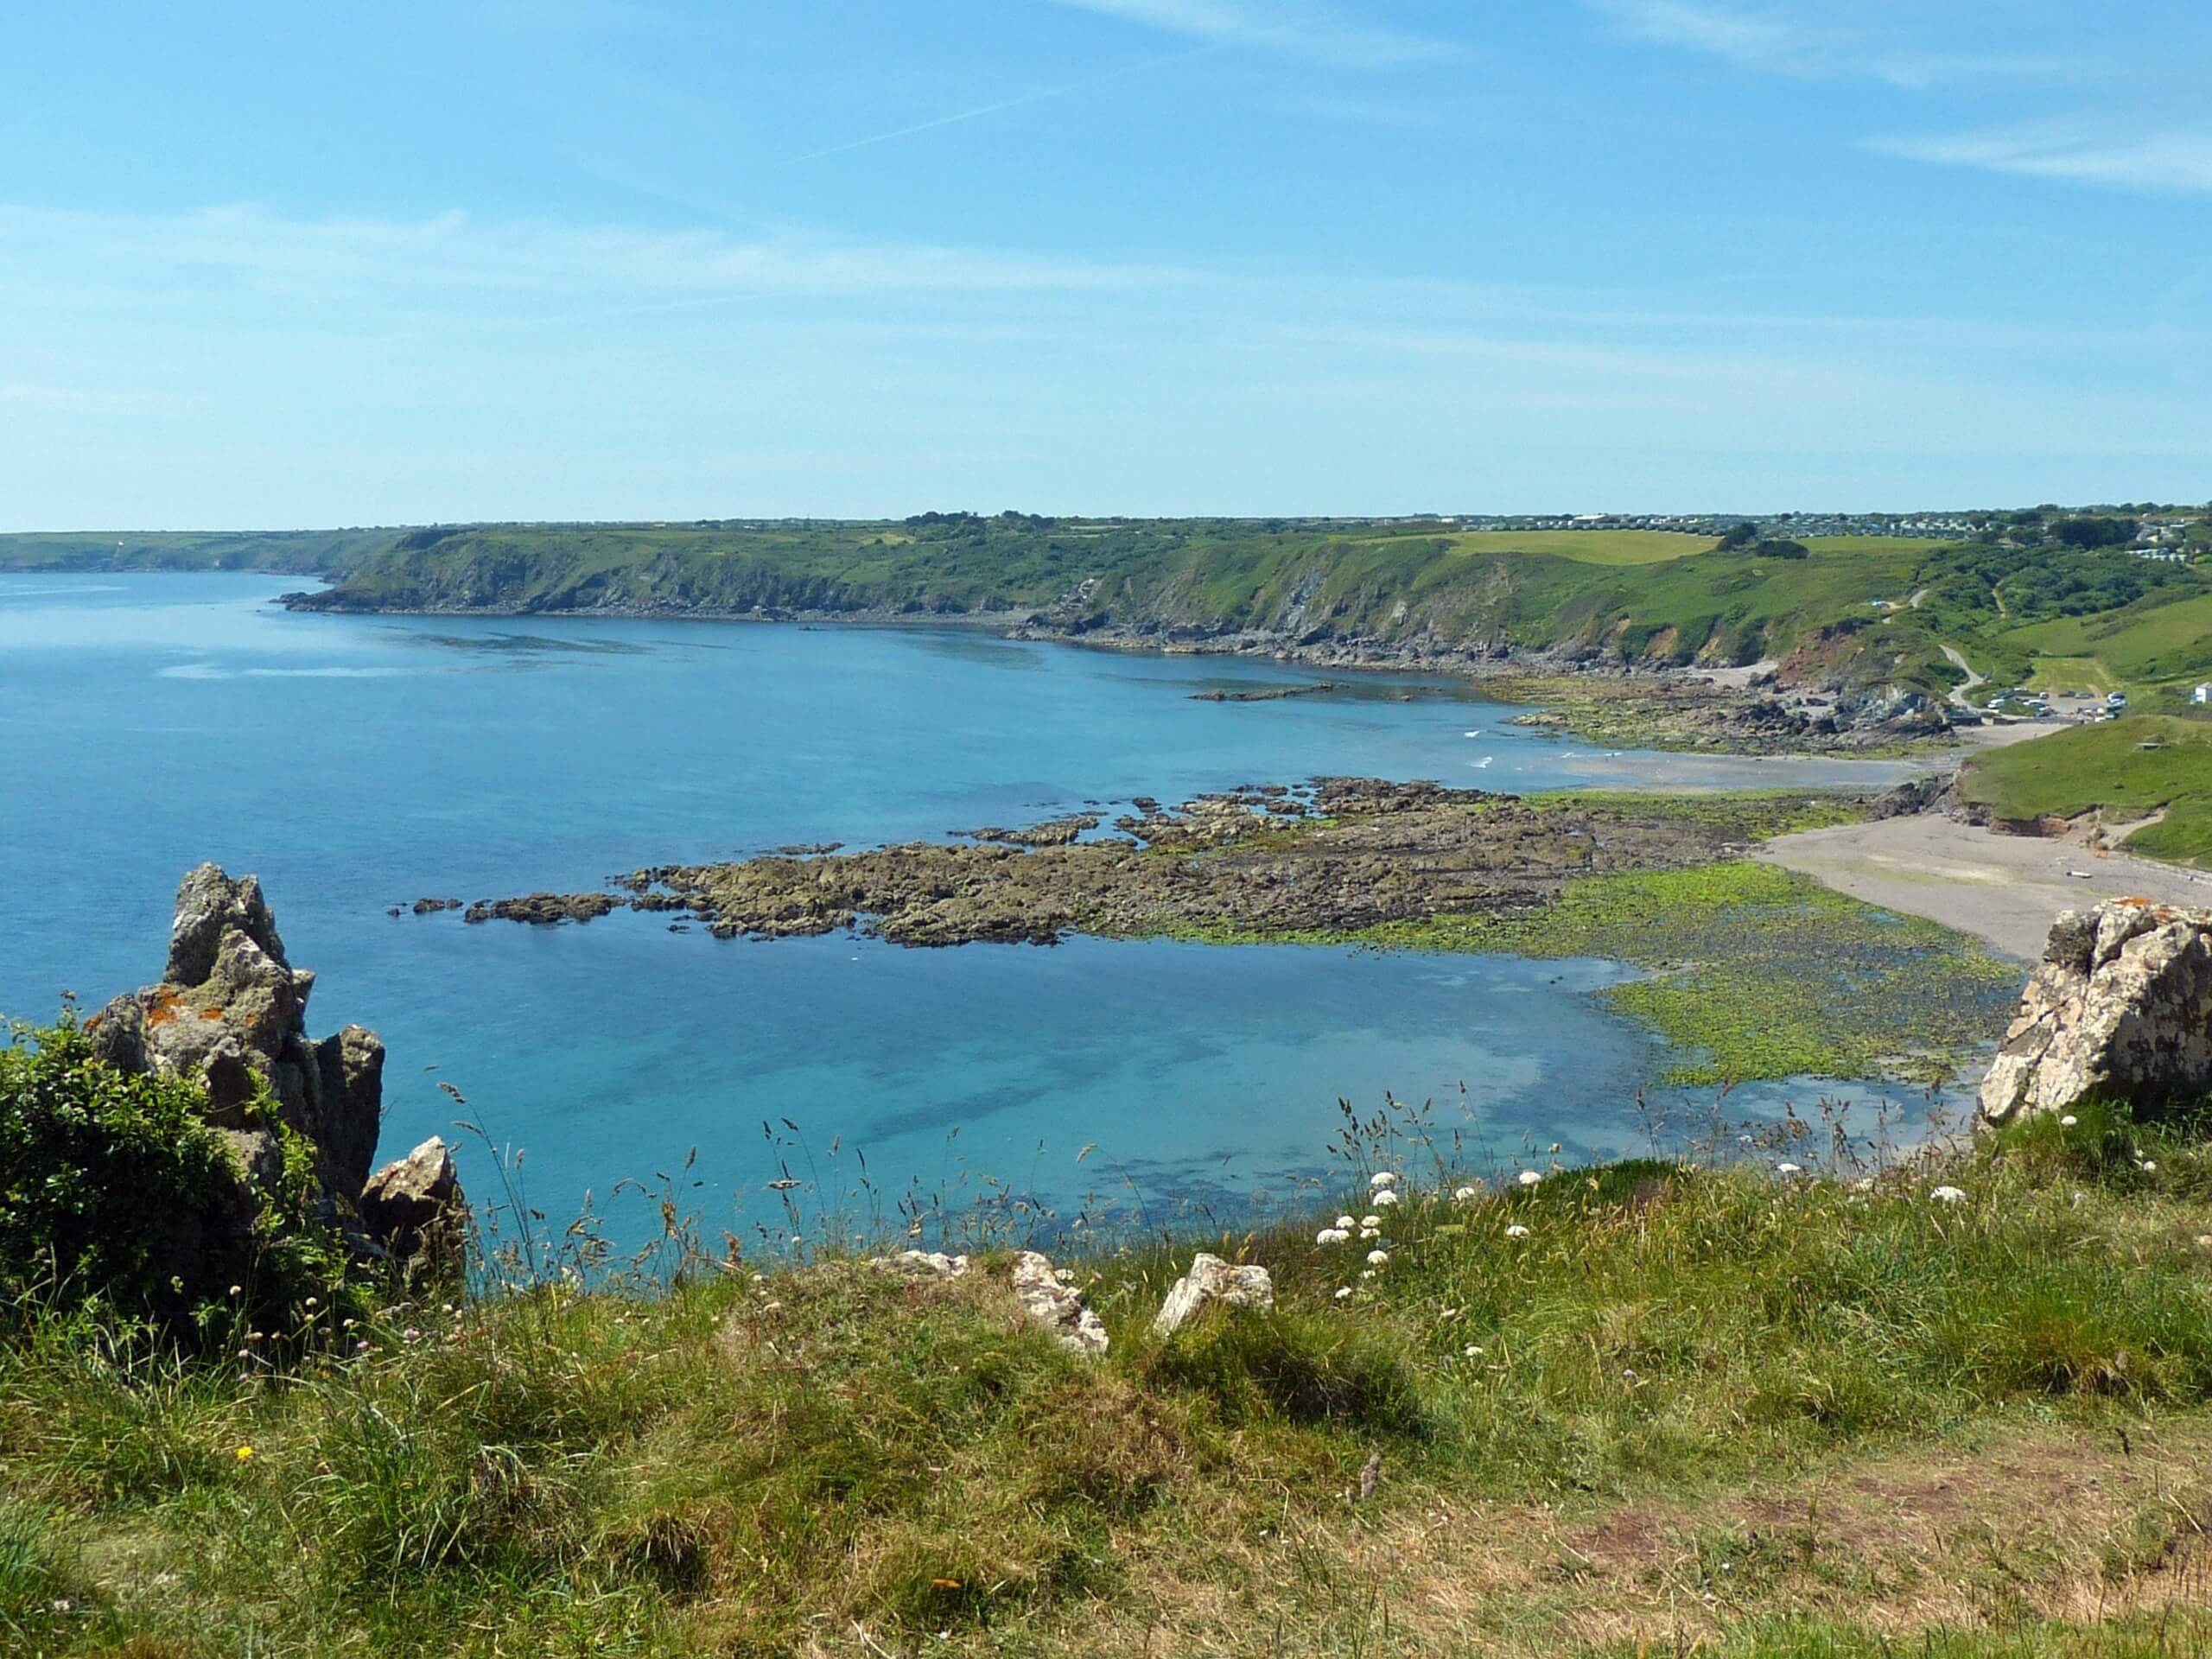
(923, 1264)
(1055, 1308)
(1212, 1279)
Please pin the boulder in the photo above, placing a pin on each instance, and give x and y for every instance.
(2120, 1005)
(1212, 1279)
(413, 1205)
(1055, 1307)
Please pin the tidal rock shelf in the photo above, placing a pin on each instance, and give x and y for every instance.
(1336, 856)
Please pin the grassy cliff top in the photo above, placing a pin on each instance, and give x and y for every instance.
(1652, 1407)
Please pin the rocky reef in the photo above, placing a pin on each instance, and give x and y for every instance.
(2120, 1005)
(230, 1014)
(1343, 855)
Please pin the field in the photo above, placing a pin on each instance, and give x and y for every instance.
(2072, 674)
(1587, 546)
(2128, 768)
(2135, 646)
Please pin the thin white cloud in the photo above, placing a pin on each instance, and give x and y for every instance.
(2166, 160)
(1914, 48)
(270, 253)
(1324, 32)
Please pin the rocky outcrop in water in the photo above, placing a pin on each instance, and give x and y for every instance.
(2120, 1005)
(230, 1014)
(1261, 861)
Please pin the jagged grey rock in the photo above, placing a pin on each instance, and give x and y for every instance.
(1212, 1279)
(2120, 1004)
(1056, 1308)
(414, 1206)
(230, 1013)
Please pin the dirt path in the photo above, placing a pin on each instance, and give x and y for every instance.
(1963, 695)
(2003, 889)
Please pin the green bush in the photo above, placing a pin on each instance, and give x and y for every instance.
(114, 1190)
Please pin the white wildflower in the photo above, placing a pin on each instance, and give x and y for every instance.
(1385, 1198)
(1516, 1230)
(1529, 1177)
(1331, 1235)
(1379, 1258)
(1465, 1193)
(1864, 1183)
(2068, 1122)
(1787, 1170)
(1370, 1221)
(1472, 1350)
(2150, 1168)
(1370, 1232)
(1367, 1273)
(1382, 1178)
(1344, 1292)
(1949, 1195)
(1346, 1223)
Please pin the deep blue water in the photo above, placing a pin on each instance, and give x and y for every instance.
(150, 721)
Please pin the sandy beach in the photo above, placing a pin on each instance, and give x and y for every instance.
(2005, 889)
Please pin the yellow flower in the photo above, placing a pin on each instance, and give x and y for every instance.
(245, 1454)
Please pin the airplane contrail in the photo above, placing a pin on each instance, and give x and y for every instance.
(1037, 97)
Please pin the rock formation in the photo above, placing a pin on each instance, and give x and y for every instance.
(1212, 1279)
(2120, 1005)
(1056, 1308)
(230, 1013)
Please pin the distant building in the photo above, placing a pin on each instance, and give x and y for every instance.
(2202, 694)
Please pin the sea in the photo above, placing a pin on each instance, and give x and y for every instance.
(357, 763)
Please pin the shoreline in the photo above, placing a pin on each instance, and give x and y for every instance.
(1681, 709)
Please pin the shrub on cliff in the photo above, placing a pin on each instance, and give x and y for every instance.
(115, 1189)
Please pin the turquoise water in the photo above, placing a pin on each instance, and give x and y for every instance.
(150, 721)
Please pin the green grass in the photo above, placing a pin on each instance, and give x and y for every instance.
(2107, 767)
(1690, 1405)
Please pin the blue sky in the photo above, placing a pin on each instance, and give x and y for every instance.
(274, 264)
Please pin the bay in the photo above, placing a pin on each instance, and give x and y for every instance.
(149, 721)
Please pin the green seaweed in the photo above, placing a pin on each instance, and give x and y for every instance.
(1755, 972)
